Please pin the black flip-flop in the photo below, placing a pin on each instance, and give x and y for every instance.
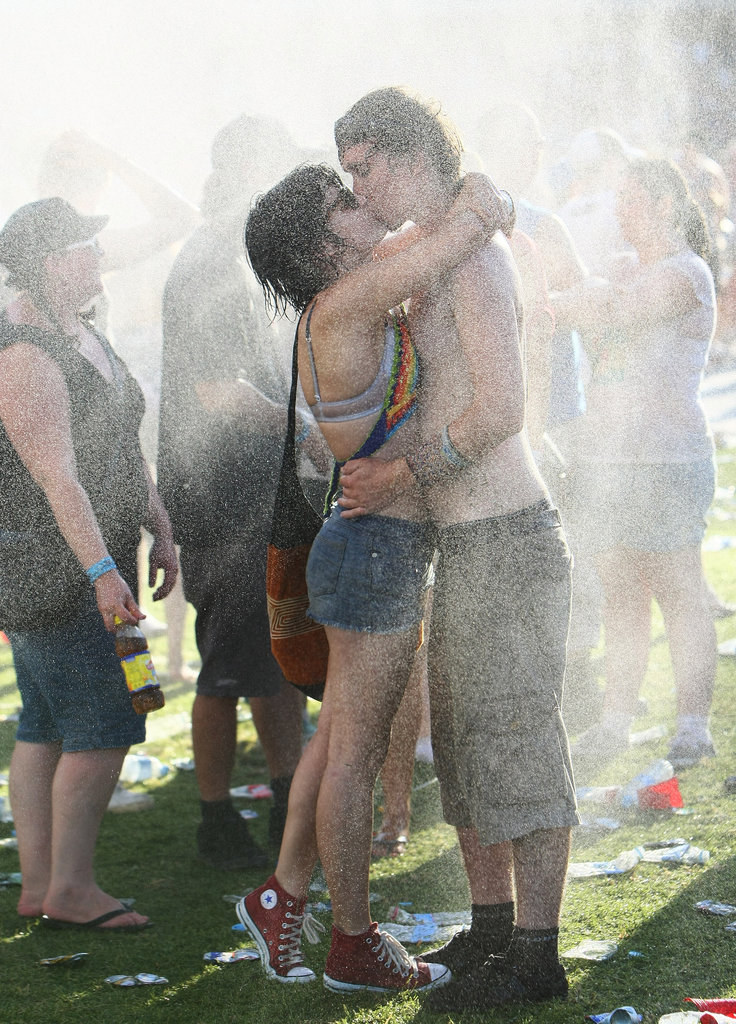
(97, 922)
(125, 901)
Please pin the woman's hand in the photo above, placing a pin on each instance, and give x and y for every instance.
(162, 556)
(480, 196)
(114, 598)
(368, 485)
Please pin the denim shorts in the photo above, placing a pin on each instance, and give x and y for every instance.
(73, 688)
(370, 574)
(649, 507)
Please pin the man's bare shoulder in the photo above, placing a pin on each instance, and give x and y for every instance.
(491, 266)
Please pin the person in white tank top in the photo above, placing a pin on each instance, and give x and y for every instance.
(650, 450)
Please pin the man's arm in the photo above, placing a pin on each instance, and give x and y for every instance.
(483, 296)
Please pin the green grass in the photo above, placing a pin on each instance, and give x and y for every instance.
(150, 855)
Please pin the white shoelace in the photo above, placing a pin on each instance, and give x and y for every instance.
(394, 953)
(294, 925)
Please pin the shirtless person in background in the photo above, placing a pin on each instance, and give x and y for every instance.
(501, 604)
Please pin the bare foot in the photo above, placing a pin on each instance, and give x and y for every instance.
(29, 909)
(30, 904)
(89, 906)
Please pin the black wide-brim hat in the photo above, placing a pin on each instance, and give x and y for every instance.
(43, 227)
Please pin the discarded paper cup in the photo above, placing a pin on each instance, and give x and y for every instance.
(727, 1006)
(624, 1015)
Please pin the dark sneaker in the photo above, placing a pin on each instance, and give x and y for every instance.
(685, 752)
(498, 983)
(276, 921)
(462, 954)
(377, 962)
(229, 846)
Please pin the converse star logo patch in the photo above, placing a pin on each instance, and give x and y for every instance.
(269, 899)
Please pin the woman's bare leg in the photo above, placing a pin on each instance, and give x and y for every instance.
(298, 854)
(367, 677)
(679, 586)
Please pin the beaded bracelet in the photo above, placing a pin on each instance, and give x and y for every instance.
(435, 459)
(100, 568)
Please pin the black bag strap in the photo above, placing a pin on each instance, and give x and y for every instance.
(294, 521)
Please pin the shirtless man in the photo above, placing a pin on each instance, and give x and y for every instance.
(501, 605)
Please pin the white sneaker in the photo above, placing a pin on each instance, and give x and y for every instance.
(124, 799)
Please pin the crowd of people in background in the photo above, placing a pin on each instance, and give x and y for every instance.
(611, 293)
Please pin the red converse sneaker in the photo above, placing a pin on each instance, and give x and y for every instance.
(377, 961)
(276, 921)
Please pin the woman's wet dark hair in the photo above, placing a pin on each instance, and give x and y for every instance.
(287, 239)
(661, 179)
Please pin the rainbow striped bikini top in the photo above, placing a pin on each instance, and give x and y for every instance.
(399, 396)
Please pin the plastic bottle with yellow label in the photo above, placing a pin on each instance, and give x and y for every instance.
(131, 647)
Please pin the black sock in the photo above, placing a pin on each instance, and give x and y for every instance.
(534, 948)
(214, 812)
(493, 923)
(280, 788)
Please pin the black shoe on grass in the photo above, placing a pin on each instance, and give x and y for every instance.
(498, 983)
(463, 954)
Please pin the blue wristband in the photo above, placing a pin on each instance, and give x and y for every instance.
(100, 568)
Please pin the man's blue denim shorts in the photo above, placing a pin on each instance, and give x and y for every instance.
(73, 688)
(370, 574)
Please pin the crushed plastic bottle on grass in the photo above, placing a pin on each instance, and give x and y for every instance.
(592, 949)
(232, 956)
(65, 958)
(685, 854)
(437, 927)
(621, 865)
(716, 909)
(128, 980)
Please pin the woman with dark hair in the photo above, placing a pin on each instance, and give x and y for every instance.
(74, 480)
(313, 247)
(653, 475)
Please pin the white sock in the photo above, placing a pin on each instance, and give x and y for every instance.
(693, 726)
